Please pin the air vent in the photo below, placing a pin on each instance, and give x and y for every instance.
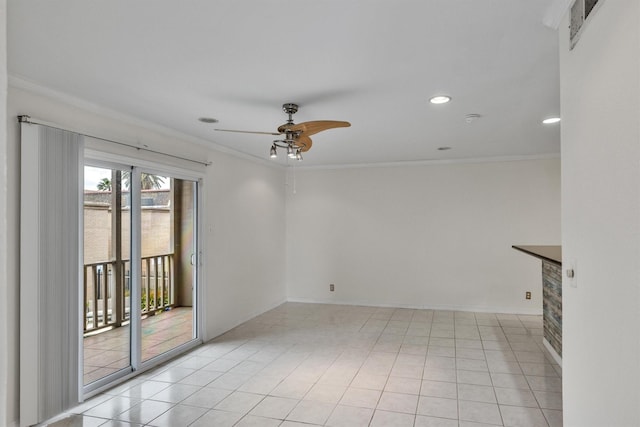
(580, 11)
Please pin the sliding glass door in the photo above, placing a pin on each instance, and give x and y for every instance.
(140, 269)
(107, 273)
(168, 219)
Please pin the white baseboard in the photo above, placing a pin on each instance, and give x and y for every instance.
(476, 309)
(552, 352)
(226, 328)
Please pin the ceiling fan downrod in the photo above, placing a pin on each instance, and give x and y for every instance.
(290, 109)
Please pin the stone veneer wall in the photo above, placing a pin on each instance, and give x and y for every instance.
(552, 304)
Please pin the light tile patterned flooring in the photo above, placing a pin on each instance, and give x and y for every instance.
(108, 352)
(312, 364)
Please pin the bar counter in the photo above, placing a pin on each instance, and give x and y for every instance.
(551, 257)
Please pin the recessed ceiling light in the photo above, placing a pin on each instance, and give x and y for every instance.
(208, 120)
(440, 99)
(444, 148)
(551, 120)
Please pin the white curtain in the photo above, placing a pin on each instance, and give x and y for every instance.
(50, 269)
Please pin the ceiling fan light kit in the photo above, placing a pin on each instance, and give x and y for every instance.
(296, 136)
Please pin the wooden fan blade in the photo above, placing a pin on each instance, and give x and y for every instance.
(247, 131)
(283, 128)
(310, 128)
(304, 142)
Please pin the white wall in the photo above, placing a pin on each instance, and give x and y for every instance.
(247, 234)
(435, 236)
(243, 227)
(4, 419)
(600, 104)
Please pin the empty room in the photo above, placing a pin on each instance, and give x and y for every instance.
(320, 213)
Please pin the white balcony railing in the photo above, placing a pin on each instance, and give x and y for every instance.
(107, 299)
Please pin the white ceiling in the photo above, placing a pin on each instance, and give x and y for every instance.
(374, 63)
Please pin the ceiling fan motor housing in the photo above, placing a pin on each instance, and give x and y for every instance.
(290, 108)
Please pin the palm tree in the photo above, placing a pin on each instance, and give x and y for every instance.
(147, 181)
(104, 185)
(151, 182)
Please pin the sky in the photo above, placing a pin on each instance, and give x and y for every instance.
(93, 175)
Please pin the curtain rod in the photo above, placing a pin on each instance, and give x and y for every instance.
(27, 119)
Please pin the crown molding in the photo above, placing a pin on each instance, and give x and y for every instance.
(22, 83)
(30, 86)
(432, 162)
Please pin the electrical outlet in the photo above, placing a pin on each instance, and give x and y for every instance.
(332, 287)
(527, 295)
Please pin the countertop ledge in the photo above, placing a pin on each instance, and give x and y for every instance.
(547, 253)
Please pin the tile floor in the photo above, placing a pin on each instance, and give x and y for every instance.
(330, 365)
(107, 352)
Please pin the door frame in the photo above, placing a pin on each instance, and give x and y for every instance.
(137, 366)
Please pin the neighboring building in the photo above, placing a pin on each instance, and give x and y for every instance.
(156, 225)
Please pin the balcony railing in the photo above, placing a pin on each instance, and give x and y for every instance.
(107, 299)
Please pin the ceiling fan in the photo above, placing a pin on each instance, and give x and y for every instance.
(296, 136)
